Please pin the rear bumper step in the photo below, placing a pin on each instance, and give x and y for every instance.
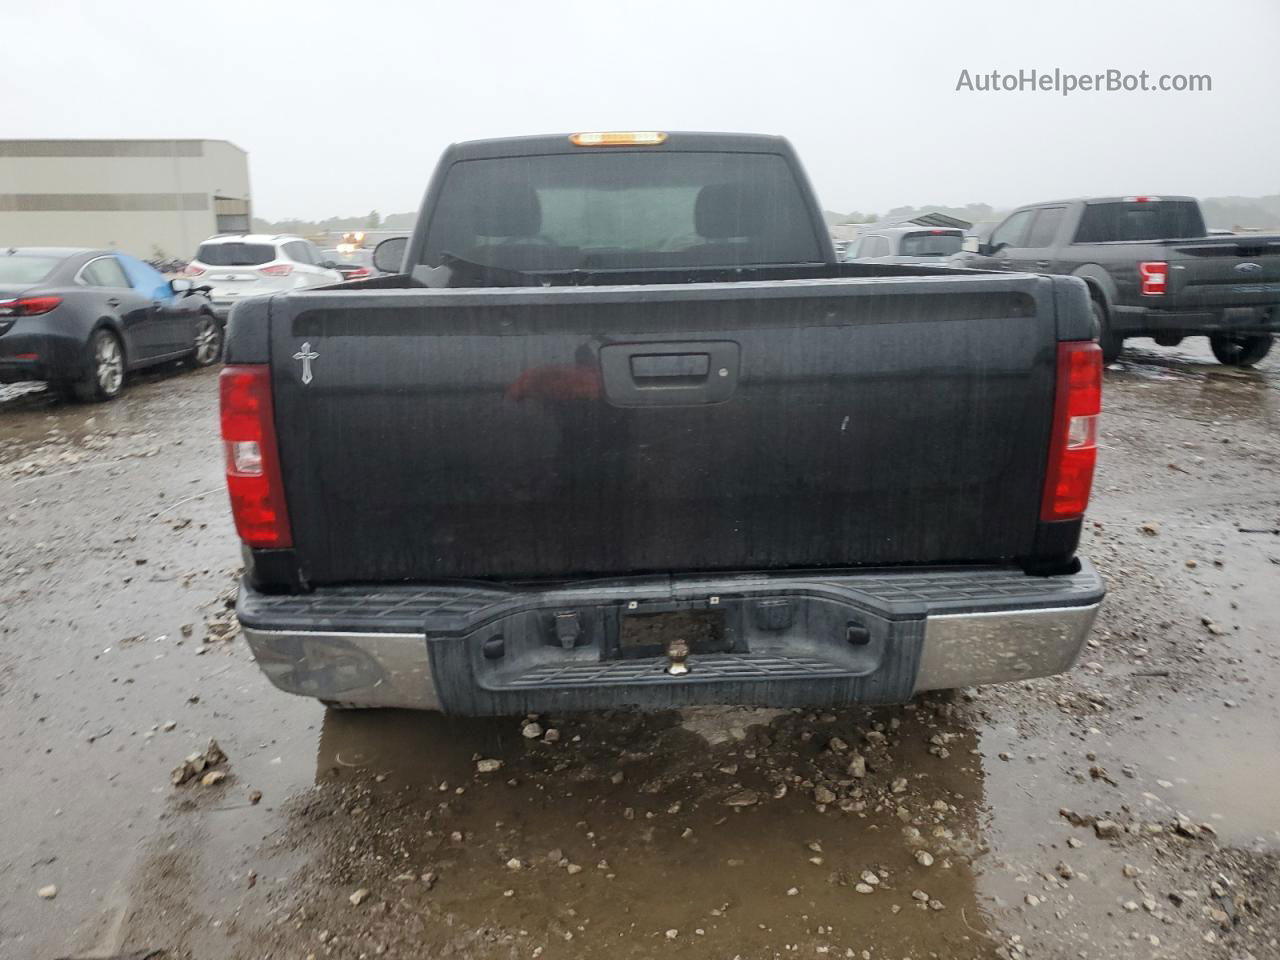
(779, 639)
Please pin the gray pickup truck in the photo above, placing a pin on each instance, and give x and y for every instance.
(1152, 270)
(619, 431)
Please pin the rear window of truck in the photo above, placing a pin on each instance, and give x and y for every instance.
(932, 243)
(622, 210)
(1151, 220)
(235, 254)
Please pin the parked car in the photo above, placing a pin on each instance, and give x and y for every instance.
(236, 266)
(81, 320)
(352, 264)
(905, 243)
(625, 434)
(1152, 270)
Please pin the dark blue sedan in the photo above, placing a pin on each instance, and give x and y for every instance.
(81, 320)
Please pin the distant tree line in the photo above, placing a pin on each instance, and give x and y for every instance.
(1228, 213)
(370, 221)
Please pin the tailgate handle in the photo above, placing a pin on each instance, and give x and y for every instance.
(674, 373)
(656, 365)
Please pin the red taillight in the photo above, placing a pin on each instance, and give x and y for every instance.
(28, 306)
(191, 270)
(1073, 447)
(253, 459)
(277, 270)
(359, 273)
(1155, 277)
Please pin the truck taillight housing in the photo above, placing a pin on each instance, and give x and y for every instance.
(253, 458)
(1073, 449)
(1154, 275)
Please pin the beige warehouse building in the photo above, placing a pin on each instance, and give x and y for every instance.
(146, 197)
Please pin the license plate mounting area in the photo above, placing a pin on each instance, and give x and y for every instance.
(658, 629)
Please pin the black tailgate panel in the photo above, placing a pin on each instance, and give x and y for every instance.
(456, 434)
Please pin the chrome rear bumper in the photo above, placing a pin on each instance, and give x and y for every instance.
(966, 649)
(364, 669)
(350, 653)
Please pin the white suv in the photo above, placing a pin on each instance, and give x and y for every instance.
(242, 265)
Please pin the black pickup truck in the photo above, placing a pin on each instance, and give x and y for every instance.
(1152, 270)
(619, 431)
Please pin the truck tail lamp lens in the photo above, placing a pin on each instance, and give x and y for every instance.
(1073, 450)
(277, 270)
(253, 459)
(1154, 275)
(619, 138)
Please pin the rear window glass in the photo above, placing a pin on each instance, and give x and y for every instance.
(930, 244)
(1156, 220)
(20, 269)
(235, 254)
(622, 210)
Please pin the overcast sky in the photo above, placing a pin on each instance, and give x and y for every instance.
(344, 107)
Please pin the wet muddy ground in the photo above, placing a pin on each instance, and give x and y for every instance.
(1126, 809)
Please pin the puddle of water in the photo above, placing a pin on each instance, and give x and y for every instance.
(1217, 766)
(1203, 392)
(32, 419)
(1192, 752)
(638, 802)
(1210, 749)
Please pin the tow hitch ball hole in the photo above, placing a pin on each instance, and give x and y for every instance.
(857, 635)
(494, 648)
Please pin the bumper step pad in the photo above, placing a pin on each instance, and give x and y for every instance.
(451, 609)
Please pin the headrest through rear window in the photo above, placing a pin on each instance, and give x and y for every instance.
(728, 210)
(511, 210)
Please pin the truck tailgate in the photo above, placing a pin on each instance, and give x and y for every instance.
(1227, 271)
(565, 432)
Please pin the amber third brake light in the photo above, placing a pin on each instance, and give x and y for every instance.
(1073, 449)
(253, 460)
(619, 138)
